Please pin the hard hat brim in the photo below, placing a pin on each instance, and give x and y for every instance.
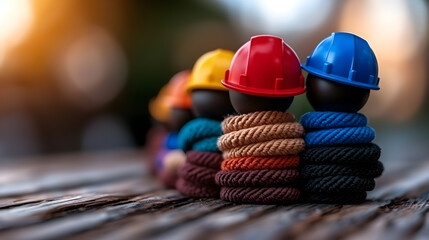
(200, 86)
(265, 92)
(338, 79)
(159, 111)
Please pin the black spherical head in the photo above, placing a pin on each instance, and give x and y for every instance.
(178, 118)
(327, 95)
(245, 103)
(213, 104)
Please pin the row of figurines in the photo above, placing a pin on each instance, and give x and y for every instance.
(264, 75)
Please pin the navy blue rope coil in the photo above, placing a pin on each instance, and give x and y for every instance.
(360, 154)
(317, 171)
(339, 184)
(200, 135)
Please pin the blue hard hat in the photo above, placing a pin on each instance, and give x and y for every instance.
(344, 58)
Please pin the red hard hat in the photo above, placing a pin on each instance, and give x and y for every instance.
(265, 66)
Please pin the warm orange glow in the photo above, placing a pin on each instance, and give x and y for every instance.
(397, 32)
(16, 17)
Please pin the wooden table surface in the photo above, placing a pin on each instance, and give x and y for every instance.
(112, 196)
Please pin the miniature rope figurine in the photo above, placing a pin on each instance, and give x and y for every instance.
(260, 145)
(339, 163)
(198, 138)
(173, 104)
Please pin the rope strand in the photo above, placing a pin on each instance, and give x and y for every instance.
(257, 178)
(274, 147)
(243, 121)
(259, 163)
(260, 134)
(266, 195)
(317, 171)
(326, 120)
(197, 174)
(205, 159)
(197, 191)
(335, 184)
(197, 130)
(338, 136)
(343, 155)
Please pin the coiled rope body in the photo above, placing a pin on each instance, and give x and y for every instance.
(198, 138)
(340, 162)
(200, 134)
(260, 151)
(168, 160)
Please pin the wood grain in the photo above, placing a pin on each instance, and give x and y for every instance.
(111, 196)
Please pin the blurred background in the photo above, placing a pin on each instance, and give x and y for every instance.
(77, 75)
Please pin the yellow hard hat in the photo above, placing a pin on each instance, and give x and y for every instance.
(209, 70)
(160, 106)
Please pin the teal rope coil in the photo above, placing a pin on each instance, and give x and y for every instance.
(200, 135)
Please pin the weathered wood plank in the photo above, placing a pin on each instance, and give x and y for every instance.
(212, 223)
(111, 196)
(90, 218)
(66, 172)
(274, 223)
(69, 203)
(409, 184)
(155, 223)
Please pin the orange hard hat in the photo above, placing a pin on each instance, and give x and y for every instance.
(173, 94)
(180, 98)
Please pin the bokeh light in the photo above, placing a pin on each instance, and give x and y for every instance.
(16, 17)
(92, 68)
(72, 67)
(279, 16)
(397, 31)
